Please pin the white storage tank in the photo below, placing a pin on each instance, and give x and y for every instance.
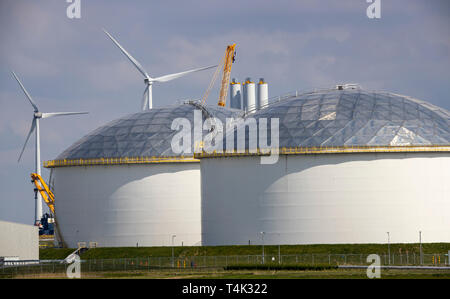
(249, 95)
(235, 94)
(263, 94)
(353, 165)
(122, 185)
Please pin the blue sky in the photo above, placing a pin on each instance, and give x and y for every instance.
(70, 65)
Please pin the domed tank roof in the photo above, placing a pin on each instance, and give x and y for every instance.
(143, 134)
(355, 117)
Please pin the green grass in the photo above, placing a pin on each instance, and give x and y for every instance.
(54, 253)
(272, 250)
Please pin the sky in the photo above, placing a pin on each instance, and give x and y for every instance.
(70, 64)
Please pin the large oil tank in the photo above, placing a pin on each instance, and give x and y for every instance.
(122, 185)
(352, 166)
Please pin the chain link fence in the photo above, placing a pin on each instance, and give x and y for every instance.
(199, 263)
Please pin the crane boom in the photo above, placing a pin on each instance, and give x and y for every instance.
(44, 190)
(225, 65)
(229, 59)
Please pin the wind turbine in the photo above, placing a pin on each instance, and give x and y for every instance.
(37, 115)
(147, 98)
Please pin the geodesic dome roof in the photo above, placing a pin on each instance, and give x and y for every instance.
(355, 117)
(142, 134)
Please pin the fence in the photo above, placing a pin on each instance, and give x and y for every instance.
(199, 263)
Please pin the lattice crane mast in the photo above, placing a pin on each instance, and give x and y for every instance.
(225, 65)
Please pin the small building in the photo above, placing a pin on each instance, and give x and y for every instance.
(18, 241)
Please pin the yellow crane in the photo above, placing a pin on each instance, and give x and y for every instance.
(49, 199)
(44, 190)
(225, 65)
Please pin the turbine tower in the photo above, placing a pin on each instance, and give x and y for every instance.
(37, 115)
(147, 98)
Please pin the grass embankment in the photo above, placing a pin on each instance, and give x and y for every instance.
(185, 251)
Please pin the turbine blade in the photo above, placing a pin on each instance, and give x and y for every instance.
(128, 55)
(145, 98)
(33, 126)
(26, 93)
(52, 114)
(178, 75)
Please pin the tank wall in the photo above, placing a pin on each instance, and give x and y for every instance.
(313, 199)
(129, 205)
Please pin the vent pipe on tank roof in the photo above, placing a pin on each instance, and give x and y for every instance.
(249, 95)
(235, 95)
(263, 94)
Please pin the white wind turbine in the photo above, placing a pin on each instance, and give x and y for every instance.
(147, 98)
(35, 126)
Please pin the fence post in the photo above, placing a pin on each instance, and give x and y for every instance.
(226, 261)
(329, 260)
